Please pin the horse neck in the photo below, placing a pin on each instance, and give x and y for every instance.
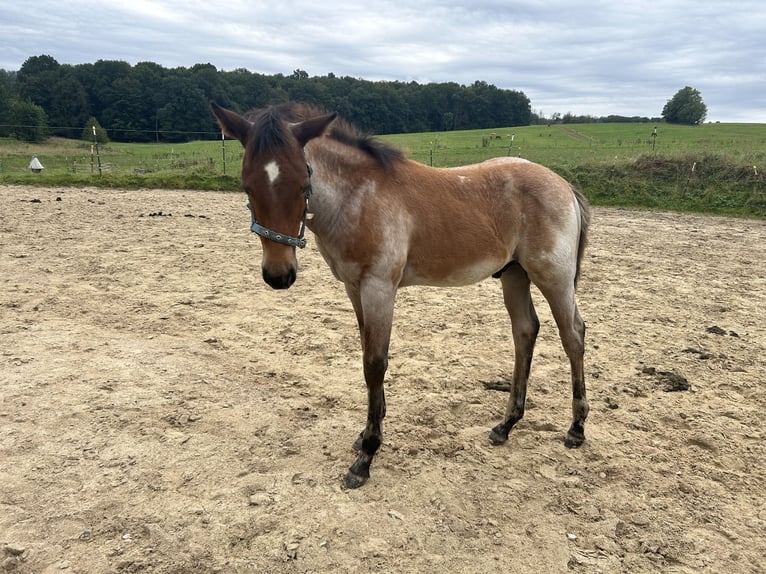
(339, 180)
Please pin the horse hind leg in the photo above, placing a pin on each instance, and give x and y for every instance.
(572, 333)
(525, 326)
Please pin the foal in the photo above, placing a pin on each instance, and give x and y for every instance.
(383, 222)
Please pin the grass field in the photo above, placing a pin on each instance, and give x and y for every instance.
(563, 145)
(72, 162)
(715, 168)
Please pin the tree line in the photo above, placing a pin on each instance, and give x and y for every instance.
(147, 102)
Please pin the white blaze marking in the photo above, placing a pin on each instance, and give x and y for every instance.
(272, 170)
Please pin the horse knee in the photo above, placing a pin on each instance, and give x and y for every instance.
(579, 336)
(574, 342)
(527, 329)
(375, 369)
(532, 329)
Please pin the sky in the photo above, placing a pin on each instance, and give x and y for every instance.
(585, 57)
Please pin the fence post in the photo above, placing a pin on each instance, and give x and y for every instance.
(223, 151)
(98, 154)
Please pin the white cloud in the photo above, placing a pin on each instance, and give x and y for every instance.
(587, 57)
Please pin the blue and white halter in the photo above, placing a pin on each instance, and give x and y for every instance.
(297, 241)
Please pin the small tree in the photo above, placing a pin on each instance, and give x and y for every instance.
(686, 107)
(30, 123)
(87, 132)
(5, 103)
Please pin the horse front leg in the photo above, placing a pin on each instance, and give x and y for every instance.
(371, 438)
(376, 302)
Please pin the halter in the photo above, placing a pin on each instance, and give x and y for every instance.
(299, 240)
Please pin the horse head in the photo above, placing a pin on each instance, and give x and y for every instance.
(277, 181)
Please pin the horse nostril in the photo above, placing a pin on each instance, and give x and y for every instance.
(279, 281)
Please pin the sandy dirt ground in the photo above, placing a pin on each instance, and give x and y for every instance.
(163, 410)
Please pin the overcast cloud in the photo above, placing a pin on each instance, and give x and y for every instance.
(585, 57)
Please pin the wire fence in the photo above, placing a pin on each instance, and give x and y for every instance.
(643, 166)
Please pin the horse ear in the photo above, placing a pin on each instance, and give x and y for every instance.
(232, 124)
(307, 130)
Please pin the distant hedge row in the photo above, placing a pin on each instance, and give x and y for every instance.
(148, 102)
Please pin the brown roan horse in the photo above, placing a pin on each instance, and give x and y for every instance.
(383, 222)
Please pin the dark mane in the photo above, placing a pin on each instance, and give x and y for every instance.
(385, 154)
(270, 132)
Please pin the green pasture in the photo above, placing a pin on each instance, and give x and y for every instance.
(715, 168)
(568, 144)
(195, 165)
(712, 168)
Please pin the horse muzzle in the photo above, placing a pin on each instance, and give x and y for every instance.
(280, 281)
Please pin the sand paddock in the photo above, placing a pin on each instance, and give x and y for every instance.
(162, 410)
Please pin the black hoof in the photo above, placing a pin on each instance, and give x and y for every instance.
(574, 440)
(353, 480)
(498, 436)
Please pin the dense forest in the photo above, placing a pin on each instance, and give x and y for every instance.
(147, 102)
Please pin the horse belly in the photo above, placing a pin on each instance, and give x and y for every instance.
(449, 275)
